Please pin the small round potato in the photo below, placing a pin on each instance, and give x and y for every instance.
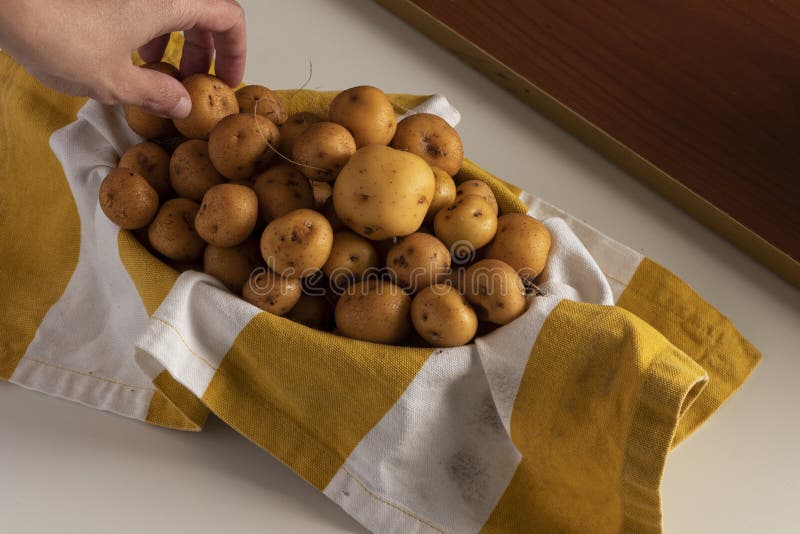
(432, 138)
(172, 232)
(383, 192)
(240, 145)
(270, 292)
(128, 199)
(258, 99)
(522, 242)
(418, 261)
(282, 189)
(366, 113)
(293, 128)
(480, 188)
(212, 100)
(351, 257)
(496, 291)
(312, 311)
(151, 161)
(322, 150)
(374, 310)
(443, 317)
(444, 193)
(322, 192)
(466, 226)
(297, 244)
(145, 123)
(232, 265)
(227, 215)
(191, 172)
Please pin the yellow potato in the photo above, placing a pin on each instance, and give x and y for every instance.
(128, 199)
(522, 242)
(172, 232)
(282, 189)
(351, 257)
(432, 138)
(191, 172)
(259, 99)
(272, 293)
(374, 310)
(145, 123)
(444, 193)
(233, 265)
(366, 113)
(212, 101)
(312, 311)
(297, 244)
(322, 150)
(480, 188)
(496, 291)
(240, 145)
(443, 317)
(152, 162)
(383, 192)
(293, 128)
(418, 261)
(322, 192)
(466, 226)
(227, 215)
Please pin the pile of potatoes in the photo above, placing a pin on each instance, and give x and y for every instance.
(351, 222)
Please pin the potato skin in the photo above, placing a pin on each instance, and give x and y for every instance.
(374, 310)
(127, 199)
(322, 150)
(367, 113)
(240, 145)
(172, 232)
(281, 189)
(259, 99)
(522, 242)
(293, 128)
(433, 139)
(444, 193)
(212, 100)
(312, 311)
(383, 192)
(418, 261)
(233, 265)
(191, 172)
(272, 293)
(322, 192)
(496, 291)
(151, 161)
(227, 215)
(350, 258)
(480, 188)
(145, 123)
(297, 244)
(443, 317)
(467, 225)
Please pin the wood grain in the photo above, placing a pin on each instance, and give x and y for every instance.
(700, 99)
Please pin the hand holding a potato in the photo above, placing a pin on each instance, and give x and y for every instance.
(83, 47)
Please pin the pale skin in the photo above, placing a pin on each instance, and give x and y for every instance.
(83, 47)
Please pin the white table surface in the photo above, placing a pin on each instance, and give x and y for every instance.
(66, 468)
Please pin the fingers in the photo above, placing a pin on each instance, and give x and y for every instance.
(198, 52)
(154, 50)
(159, 93)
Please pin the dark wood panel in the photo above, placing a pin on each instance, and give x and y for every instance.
(706, 92)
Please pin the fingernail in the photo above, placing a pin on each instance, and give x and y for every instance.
(182, 108)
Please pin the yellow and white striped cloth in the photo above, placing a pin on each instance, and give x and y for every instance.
(559, 422)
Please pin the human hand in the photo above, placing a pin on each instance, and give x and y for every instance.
(83, 47)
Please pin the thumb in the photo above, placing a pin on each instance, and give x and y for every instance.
(158, 93)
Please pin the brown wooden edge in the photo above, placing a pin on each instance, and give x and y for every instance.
(693, 204)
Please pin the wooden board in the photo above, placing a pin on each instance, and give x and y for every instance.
(701, 100)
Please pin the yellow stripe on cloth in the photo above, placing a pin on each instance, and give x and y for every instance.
(152, 277)
(40, 237)
(690, 323)
(594, 418)
(308, 397)
(174, 406)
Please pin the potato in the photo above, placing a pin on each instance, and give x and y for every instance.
(232, 265)
(128, 199)
(270, 292)
(466, 226)
(282, 189)
(258, 99)
(455, 277)
(431, 138)
(145, 123)
(312, 311)
(152, 162)
(374, 310)
(496, 291)
(366, 113)
(351, 257)
(322, 192)
(212, 101)
(480, 188)
(322, 150)
(292, 128)
(191, 172)
(172, 232)
(297, 244)
(329, 211)
(443, 317)
(522, 242)
(383, 192)
(418, 261)
(444, 193)
(240, 145)
(227, 215)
